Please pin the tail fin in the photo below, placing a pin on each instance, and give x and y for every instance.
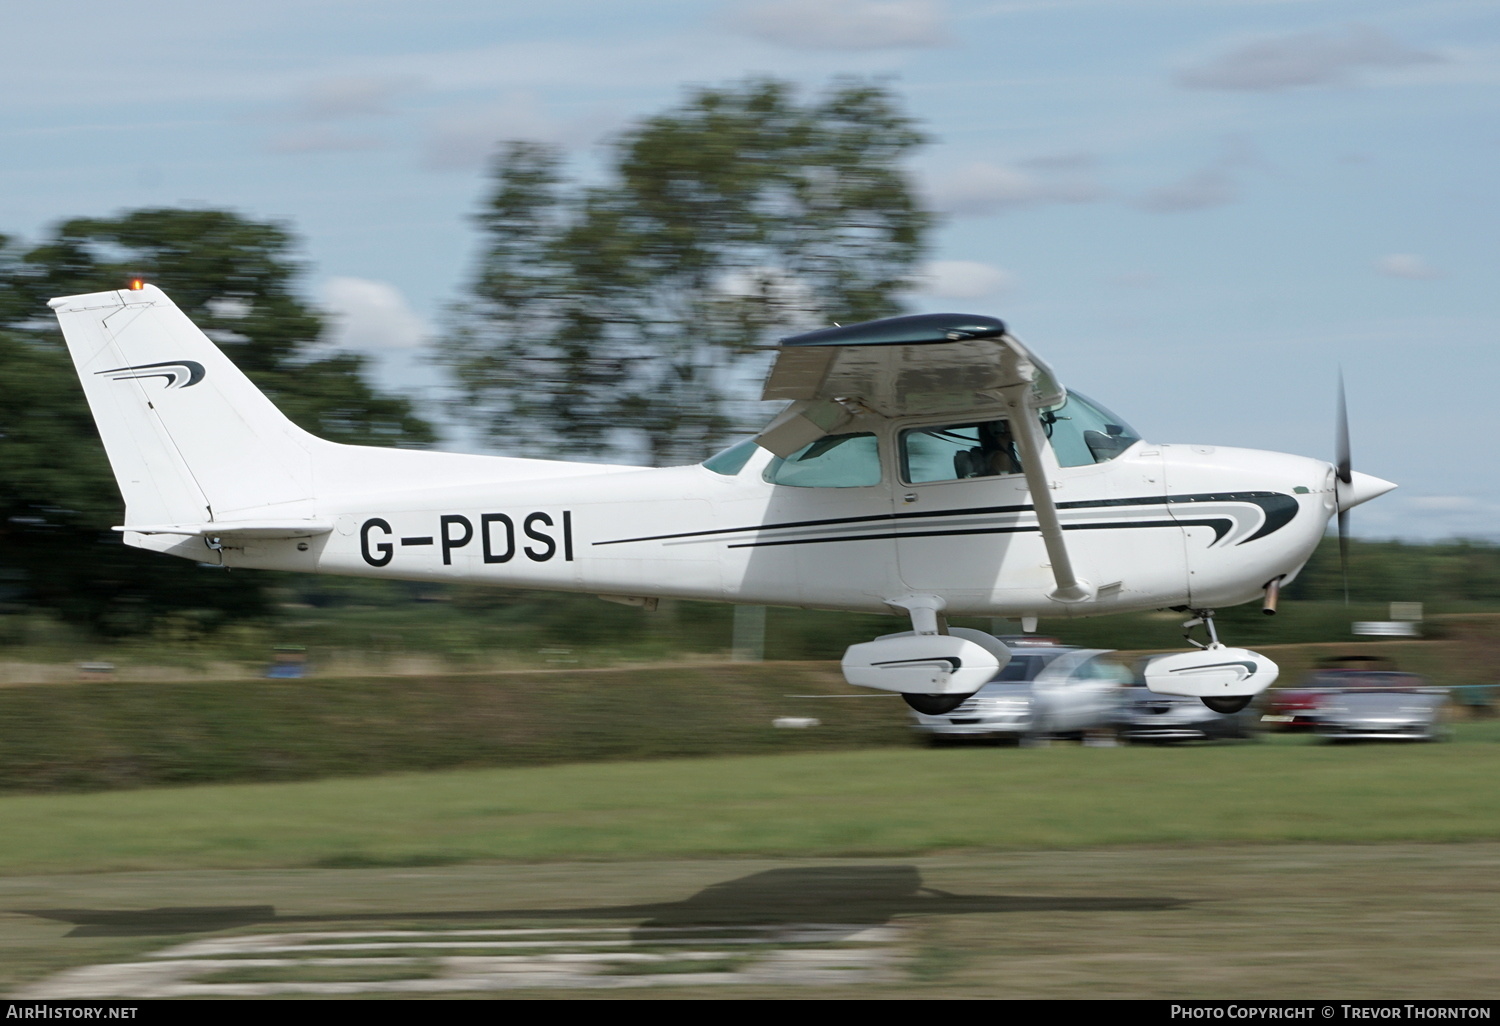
(189, 437)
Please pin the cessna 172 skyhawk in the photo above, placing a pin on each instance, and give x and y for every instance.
(927, 465)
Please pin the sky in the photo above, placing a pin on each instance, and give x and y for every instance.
(1199, 212)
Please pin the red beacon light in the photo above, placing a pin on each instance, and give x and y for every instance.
(136, 284)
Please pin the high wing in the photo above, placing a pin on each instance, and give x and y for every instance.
(928, 364)
(955, 365)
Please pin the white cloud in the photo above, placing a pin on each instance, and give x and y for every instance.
(1302, 59)
(371, 315)
(1214, 185)
(465, 138)
(1135, 279)
(982, 188)
(321, 139)
(1446, 503)
(350, 96)
(1210, 187)
(844, 24)
(963, 279)
(1406, 265)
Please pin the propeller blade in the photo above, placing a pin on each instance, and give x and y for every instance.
(1344, 465)
(1344, 550)
(1344, 468)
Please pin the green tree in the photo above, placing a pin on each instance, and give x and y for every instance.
(235, 278)
(634, 313)
(1439, 573)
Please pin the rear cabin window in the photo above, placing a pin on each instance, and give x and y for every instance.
(834, 461)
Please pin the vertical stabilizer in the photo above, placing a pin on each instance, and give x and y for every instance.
(189, 437)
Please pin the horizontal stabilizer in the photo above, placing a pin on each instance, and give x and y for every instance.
(240, 528)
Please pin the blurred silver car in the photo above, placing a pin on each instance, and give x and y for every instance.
(1143, 716)
(1045, 690)
(1380, 705)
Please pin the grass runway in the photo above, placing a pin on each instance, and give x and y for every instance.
(1310, 921)
(897, 801)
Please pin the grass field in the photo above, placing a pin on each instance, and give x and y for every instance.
(995, 872)
(894, 801)
(124, 735)
(436, 806)
(94, 736)
(1280, 868)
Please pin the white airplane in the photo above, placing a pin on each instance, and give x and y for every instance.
(928, 466)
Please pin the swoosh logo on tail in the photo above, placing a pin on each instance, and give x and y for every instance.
(178, 373)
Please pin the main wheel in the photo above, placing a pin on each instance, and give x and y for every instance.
(1228, 705)
(935, 705)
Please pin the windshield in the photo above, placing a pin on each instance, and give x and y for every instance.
(833, 461)
(1083, 432)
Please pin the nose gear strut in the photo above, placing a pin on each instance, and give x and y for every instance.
(1205, 619)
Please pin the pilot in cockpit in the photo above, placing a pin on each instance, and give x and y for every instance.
(994, 455)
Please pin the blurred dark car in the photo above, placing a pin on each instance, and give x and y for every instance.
(1145, 717)
(1380, 705)
(1296, 707)
(1046, 690)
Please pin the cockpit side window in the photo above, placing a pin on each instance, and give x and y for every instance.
(833, 461)
(1082, 432)
(951, 452)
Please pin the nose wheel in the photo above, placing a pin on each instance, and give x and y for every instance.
(1227, 706)
(934, 705)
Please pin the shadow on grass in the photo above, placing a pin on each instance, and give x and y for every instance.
(856, 896)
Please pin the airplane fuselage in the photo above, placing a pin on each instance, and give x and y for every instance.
(929, 465)
(1158, 526)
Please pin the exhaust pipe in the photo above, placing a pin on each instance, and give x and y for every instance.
(1273, 596)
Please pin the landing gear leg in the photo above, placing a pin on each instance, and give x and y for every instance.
(1205, 618)
(927, 617)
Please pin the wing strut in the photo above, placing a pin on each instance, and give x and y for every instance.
(1027, 431)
